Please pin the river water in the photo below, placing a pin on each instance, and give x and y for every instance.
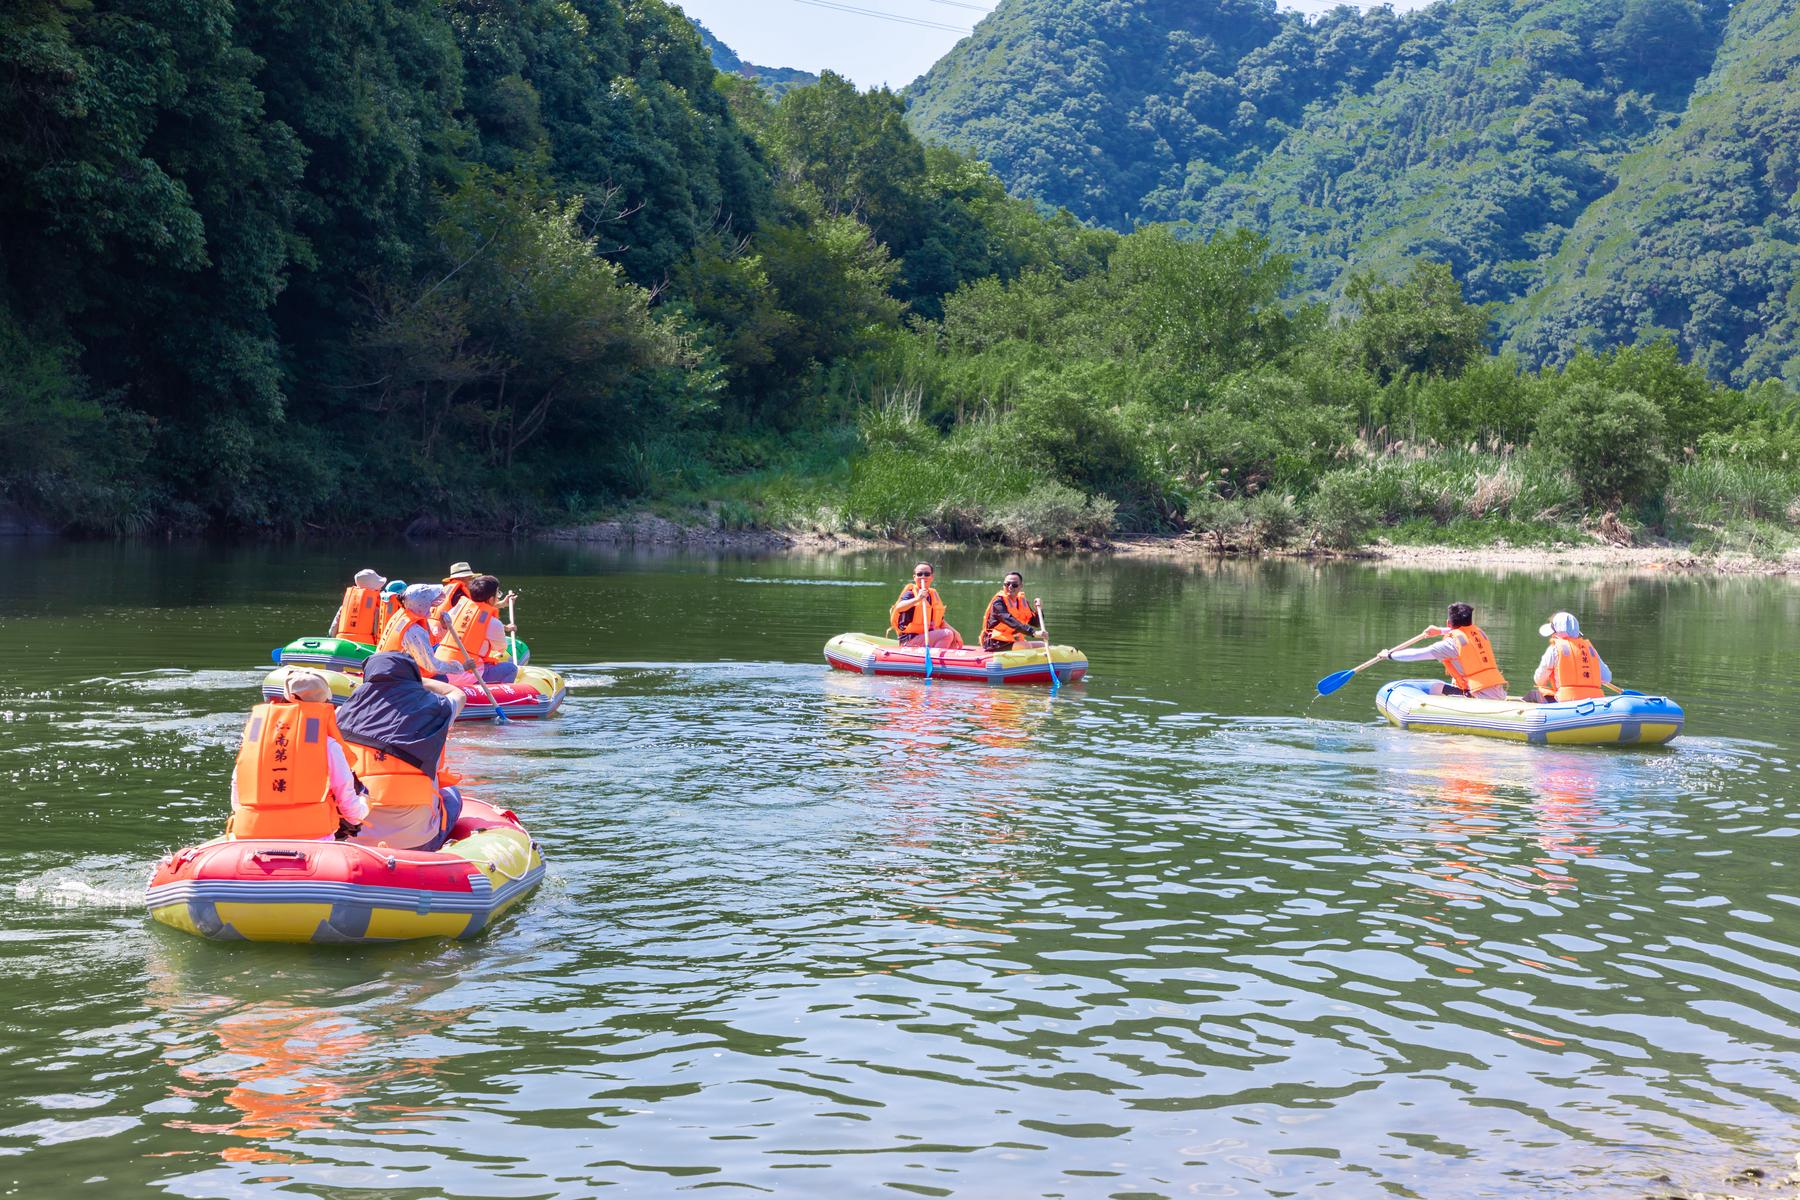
(1176, 931)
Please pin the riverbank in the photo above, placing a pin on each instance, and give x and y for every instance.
(646, 530)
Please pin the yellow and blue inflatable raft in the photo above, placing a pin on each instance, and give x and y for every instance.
(281, 890)
(1613, 721)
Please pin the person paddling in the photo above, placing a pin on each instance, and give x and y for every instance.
(1466, 653)
(292, 778)
(358, 617)
(396, 726)
(1008, 623)
(920, 609)
(475, 626)
(1571, 668)
(456, 586)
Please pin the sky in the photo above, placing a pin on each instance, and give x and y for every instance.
(871, 50)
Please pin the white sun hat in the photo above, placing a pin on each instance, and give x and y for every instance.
(1561, 624)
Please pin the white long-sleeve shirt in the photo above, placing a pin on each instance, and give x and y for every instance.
(1545, 675)
(417, 644)
(352, 807)
(1445, 651)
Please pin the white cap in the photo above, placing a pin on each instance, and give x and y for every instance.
(421, 598)
(370, 578)
(1561, 624)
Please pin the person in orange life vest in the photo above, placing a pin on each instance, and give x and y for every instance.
(358, 618)
(456, 586)
(292, 778)
(476, 620)
(390, 601)
(1467, 655)
(396, 726)
(408, 631)
(1571, 668)
(911, 616)
(1008, 624)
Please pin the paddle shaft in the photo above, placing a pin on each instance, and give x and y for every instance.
(512, 636)
(1403, 645)
(475, 669)
(925, 624)
(1049, 659)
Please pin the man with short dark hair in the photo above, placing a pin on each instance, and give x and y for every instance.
(474, 626)
(1466, 653)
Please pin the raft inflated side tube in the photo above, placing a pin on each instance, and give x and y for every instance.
(1625, 720)
(867, 655)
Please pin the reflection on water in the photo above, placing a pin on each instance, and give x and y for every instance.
(1173, 932)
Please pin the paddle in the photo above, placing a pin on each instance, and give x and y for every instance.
(512, 626)
(1338, 679)
(475, 669)
(1624, 691)
(925, 622)
(1049, 660)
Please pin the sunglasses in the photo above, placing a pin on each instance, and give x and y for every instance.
(1012, 583)
(921, 574)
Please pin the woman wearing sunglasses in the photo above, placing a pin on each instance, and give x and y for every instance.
(1008, 624)
(919, 614)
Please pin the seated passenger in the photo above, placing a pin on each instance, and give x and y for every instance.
(396, 725)
(408, 631)
(1571, 668)
(390, 602)
(456, 586)
(358, 617)
(1467, 655)
(919, 613)
(1008, 625)
(475, 620)
(292, 778)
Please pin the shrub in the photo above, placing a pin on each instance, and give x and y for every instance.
(1341, 513)
(1272, 520)
(1054, 514)
(1610, 442)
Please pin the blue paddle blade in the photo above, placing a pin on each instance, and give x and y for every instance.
(1333, 682)
(275, 654)
(1632, 692)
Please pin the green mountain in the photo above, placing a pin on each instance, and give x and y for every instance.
(1700, 236)
(1571, 160)
(777, 81)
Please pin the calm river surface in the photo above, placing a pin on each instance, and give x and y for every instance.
(1172, 932)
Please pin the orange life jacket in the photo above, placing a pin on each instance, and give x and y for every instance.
(359, 618)
(1019, 611)
(392, 781)
(282, 776)
(905, 617)
(1476, 654)
(454, 590)
(465, 619)
(1576, 672)
(393, 637)
(390, 604)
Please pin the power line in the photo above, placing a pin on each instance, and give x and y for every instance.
(920, 22)
(961, 4)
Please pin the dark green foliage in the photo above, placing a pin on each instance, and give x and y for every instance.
(1698, 237)
(1610, 443)
(1419, 327)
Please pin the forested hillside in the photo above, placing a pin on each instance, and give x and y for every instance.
(367, 264)
(776, 80)
(1478, 133)
(1701, 235)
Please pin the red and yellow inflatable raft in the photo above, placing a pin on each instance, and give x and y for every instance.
(277, 890)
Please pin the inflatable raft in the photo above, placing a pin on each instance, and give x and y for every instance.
(1612, 721)
(868, 655)
(266, 890)
(538, 692)
(341, 654)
